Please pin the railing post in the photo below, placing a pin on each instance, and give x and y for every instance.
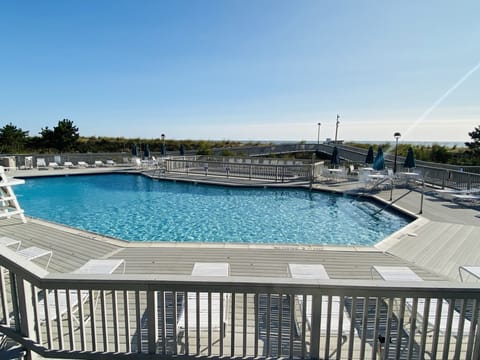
(315, 331)
(25, 310)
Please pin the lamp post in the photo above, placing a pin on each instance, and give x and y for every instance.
(164, 150)
(396, 136)
(318, 135)
(336, 129)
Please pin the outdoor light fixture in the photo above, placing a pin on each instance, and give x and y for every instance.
(336, 129)
(318, 135)
(396, 136)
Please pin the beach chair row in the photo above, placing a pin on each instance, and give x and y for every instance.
(42, 165)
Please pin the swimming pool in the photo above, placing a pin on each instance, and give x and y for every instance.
(136, 208)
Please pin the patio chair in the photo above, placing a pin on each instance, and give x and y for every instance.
(404, 273)
(82, 164)
(217, 324)
(41, 164)
(94, 266)
(98, 163)
(317, 271)
(68, 164)
(54, 165)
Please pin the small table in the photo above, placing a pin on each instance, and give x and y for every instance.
(33, 252)
(472, 270)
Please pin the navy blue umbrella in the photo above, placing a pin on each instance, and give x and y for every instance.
(182, 150)
(146, 151)
(164, 150)
(134, 150)
(335, 157)
(369, 158)
(410, 159)
(379, 163)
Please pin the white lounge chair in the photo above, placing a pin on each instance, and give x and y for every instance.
(206, 269)
(69, 164)
(33, 252)
(469, 270)
(98, 163)
(317, 271)
(403, 273)
(41, 164)
(6, 241)
(82, 164)
(110, 163)
(54, 165)
(91, 267)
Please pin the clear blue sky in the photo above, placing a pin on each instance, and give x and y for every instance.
(243, 69)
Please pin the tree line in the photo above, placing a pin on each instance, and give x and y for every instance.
(65, 137)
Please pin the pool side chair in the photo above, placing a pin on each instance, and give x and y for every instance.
(404, 273)
(41, 164)
(98, 163)
(82, 164)
(69, 164)
(101, 266)
(217, 324)
(317, 271)
(54, 165)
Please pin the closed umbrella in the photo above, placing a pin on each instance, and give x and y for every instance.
(182, 150)
(335, 157)
(369, 158)
(164, 150)
(146, 151)
(410, 159)
(134, 150)
(379, 163)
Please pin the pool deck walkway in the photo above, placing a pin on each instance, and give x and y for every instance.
(443, 237)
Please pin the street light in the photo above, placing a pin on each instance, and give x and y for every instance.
(318, 136)
(396, 136)
(336, 129)
(164, 150)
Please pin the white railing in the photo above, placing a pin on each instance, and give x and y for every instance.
(138, 316)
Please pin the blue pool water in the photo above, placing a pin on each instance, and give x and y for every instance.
(136, 208)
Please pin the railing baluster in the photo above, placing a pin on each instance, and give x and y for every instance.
(280, 327)
(138, 321)
(436, 328)
(413, 327)
(174, 316)
(232, 341)
(340, 336)
(152, 316)
(91, 304)
(244, 327)
(329, 325)
(59, 322)
(70, 320)
(209, 325)
(103, 308)
(473, 324)
(197, 299)
(186, 325)
(352, 328)
(291, 299)
(315, 325)
(389, 326)
(378, 302)
(115, 321)
(364, 327)
(126, 314)
(38, 330)
(257, 324)
(268, 351)
(461, 324)
(152, 338)
(5, 312)
(401, 315)
(448, 332)
(83, 341)
(426, 320)
(47, 317)
(304, 324)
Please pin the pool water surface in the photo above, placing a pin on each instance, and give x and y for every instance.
(137, 208)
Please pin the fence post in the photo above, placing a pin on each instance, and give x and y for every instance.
(152, 311)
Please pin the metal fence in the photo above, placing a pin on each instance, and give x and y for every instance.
(145, 316)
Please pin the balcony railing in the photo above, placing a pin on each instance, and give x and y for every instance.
(109, 316)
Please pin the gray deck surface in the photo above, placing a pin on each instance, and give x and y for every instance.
(72, 248)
